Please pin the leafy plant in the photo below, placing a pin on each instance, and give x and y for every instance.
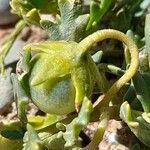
(61, 75)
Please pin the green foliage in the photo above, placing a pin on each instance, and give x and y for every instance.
(70, 25)
(32, 140)
(97, 11)
(61, 140)
(124, 16)
(60, 76)
(21, 7)
(138, 122)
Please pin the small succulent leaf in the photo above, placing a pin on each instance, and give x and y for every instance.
(46, 6)
(97, 11)
(80, 23)
(142, 91)
(97, 57)
(26, 10)
(73, 129)
(136, 38)
(57, 142)
(146, 77)
(70, 21)
(21, 7)
(32, 140)
(111, 69)
(97, 76)
(32, 17)
(138, 122)
(41, 122)
(51, 28)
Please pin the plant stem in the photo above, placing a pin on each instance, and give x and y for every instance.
(98, 36)
(98, 136)
(85, 44)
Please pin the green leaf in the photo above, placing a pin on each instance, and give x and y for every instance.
(97, 11)
(31, 140)
(20, 7)
(138, 122)
(41, 122)
(71, 25)
(142, 90)
(73, 129)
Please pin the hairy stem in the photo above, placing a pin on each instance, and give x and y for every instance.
(104, 102)
(98, 36)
